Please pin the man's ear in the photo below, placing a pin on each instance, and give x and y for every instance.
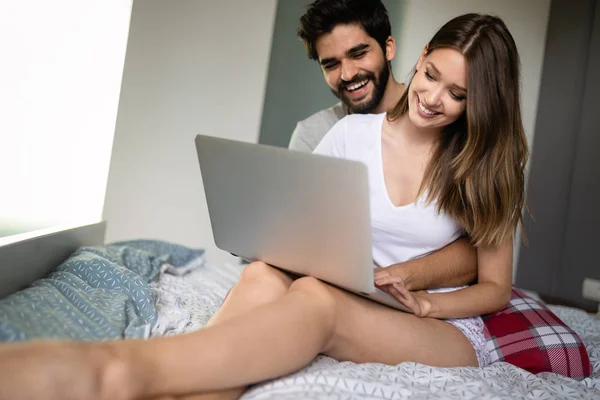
(422, 57)
(390, 48)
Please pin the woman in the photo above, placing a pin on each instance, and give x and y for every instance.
(448, 159)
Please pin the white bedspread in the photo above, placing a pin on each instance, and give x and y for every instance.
(187, 302)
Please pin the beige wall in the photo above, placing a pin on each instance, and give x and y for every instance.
(191, 67)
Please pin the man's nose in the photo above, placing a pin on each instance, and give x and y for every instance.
(349, 71)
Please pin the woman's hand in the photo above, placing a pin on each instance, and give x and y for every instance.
(394, 285)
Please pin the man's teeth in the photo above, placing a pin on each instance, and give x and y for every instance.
(357, 85)
(426, 110)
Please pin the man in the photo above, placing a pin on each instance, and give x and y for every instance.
(351, 40)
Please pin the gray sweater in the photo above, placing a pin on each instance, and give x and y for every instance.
(309, 132)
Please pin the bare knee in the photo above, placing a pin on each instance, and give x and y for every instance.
(270, 280)
(317, 291)
(259, 284)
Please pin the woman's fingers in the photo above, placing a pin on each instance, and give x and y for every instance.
(404, 297)
(394, 286)
(399, 286)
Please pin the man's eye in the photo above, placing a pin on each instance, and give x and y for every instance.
(360, 54)
(330, 66)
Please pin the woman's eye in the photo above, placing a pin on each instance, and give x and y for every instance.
(456, 96)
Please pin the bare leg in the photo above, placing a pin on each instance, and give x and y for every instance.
(259, 284)
(272, 340)
(205, 396)
(285, 335)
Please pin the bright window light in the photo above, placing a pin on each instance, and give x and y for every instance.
(60, 76)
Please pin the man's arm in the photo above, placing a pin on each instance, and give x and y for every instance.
(298, 141)
(310, 132)
(451, 266)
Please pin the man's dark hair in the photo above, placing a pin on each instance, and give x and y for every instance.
(322, 16)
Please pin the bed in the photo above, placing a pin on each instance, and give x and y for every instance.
(150, 288)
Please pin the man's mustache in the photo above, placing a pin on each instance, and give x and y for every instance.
(356, 79)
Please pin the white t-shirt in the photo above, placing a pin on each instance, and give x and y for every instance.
(398, 233)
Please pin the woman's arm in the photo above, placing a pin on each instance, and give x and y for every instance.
(451, 266)
(491, 292)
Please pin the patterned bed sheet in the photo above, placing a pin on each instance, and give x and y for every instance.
(185, 303)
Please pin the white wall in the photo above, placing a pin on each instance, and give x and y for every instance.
(526, 20)
(192, 66)
(60, 77)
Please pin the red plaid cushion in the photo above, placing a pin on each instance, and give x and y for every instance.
(530, 336)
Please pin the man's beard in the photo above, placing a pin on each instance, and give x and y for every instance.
(369, 105)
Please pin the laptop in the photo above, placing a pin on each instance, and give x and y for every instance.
(303, 213)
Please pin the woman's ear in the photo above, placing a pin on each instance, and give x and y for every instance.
(390, 48)
(422, 57)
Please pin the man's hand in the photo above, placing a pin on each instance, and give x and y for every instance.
(397, 271)
(451, 266)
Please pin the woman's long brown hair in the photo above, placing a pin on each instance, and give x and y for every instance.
(476, 174)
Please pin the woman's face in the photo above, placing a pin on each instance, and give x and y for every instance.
(437, 94)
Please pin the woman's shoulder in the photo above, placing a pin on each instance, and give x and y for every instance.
(360, 125)
(364, 119)
(354, 131)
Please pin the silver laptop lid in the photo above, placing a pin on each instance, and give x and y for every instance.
(297, 211)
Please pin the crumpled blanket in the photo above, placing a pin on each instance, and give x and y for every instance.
(98, 293)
